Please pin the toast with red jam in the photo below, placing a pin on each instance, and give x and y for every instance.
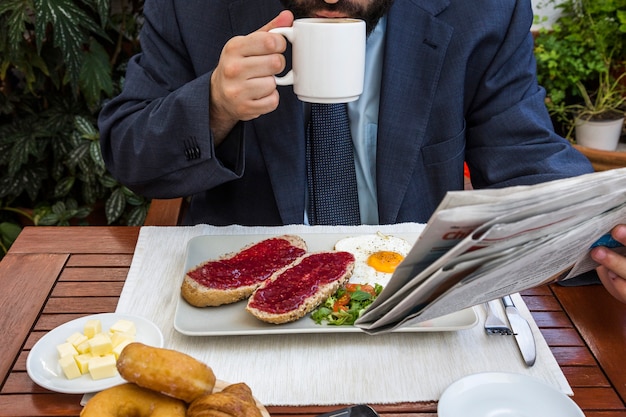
(235, 276)
(294, 291)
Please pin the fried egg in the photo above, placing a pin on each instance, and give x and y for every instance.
(376, 256)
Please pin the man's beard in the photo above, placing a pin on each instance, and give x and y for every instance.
(370, 13)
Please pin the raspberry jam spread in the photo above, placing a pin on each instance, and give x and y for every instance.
(247, 267)
(288, 291)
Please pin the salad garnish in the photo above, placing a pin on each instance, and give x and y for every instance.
(347, 304)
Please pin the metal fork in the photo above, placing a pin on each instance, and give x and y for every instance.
(493, 324)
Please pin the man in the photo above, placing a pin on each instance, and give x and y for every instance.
(447, 82)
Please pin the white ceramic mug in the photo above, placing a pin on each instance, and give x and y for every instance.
(328, 59)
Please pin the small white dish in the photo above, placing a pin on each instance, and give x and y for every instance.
(42, 363)
(501, 394)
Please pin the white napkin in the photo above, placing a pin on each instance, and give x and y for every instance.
(322, 369)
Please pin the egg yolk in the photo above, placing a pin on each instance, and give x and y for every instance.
(384, 261)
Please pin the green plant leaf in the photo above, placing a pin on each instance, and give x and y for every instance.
(48, 219)
(90, 192)
(63, 187)
(135, 200)
(96, 156)
(95, 74)
(85, 127)
(29, 180)
(19, 155)
(108, 181)
(18, 15)
(103, 7)
(78, 154)
(114, 206)
(58, 207)
(8, 233)
(71, 26)
(83, 212)
(137, 216)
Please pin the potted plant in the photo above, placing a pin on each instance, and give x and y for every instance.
(599, 120)
(580, 62)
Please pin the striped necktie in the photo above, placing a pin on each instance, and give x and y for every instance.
(333, 198)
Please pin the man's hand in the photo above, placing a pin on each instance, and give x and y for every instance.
(242, 84)
(612, 269)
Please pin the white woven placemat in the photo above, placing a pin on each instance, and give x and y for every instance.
(327, 369)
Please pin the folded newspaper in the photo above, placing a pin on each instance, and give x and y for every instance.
(482, 244)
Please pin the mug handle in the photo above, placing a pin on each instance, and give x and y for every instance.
(287, 32)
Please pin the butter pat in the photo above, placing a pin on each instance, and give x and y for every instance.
(69, 366)
(117, 350)
(101, 367)
(83, 362)
(117, 338)
(92, 328)
(124, 326)
(76, 339)
(83, 347)
(100, 344)
(66, 349)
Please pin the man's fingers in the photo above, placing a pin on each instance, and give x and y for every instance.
(616, 286)
(284, 19)
(619, 233)
(611, 260)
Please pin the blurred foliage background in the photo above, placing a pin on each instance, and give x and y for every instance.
(60, 60)
(585, 47)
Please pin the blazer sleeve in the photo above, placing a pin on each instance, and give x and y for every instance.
(510, 137)
(156, 134)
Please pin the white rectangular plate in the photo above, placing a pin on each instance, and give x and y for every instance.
(233, 319)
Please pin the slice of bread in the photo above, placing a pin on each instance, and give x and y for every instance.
(299, 288)
(235, 276)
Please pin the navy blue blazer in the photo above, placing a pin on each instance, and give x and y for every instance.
(459, 84)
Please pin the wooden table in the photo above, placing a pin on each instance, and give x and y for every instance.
(54, 274)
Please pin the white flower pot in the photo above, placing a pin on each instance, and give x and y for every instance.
(599, 134)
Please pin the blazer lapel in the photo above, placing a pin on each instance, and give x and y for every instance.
(416, 43)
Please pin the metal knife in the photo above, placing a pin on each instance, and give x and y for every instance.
(521, 330)
(360, 410)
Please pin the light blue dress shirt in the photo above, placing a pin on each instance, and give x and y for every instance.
(363, 114)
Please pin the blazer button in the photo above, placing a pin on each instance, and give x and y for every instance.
(192, 150)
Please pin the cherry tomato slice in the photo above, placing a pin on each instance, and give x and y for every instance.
(342, 303)
(350, 287)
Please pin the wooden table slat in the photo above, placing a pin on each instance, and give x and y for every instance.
(562, 337)
(601, 321)
(573, 356)
(91, 240)
(100, 260)
(92, 289)
(588, 397)
(85, 305)
(27, 280)
(77, 274)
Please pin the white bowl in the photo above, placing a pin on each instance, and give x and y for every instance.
(500, 394)
(43, 366)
